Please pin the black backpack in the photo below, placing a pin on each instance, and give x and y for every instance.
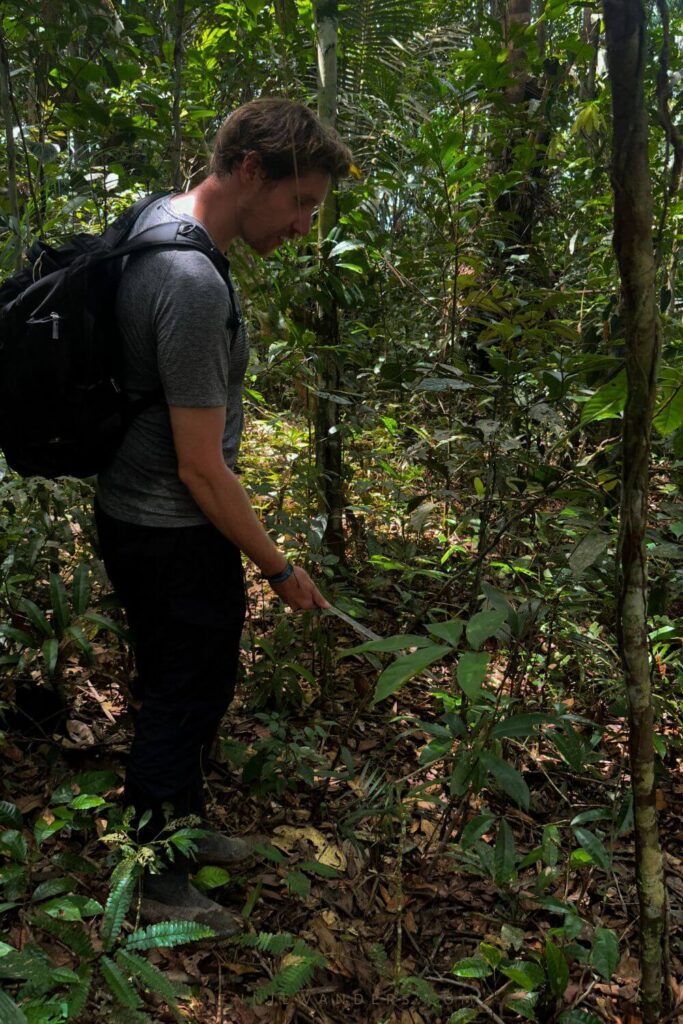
(63, 411)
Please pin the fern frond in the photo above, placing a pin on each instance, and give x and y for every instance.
(300, 968)
(78, 994)
(168, 933)
(117, 907)
(151, 977)
(72, 934)
(119, 984)
(266, 942)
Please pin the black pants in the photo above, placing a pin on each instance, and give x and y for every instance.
(183, 592)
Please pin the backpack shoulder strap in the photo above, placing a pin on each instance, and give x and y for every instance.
(173, 235)
(116, 232)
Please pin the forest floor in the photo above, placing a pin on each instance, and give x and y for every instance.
(393, 910)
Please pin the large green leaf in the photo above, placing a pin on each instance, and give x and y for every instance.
(60, 602)
(406, 668)
(593, 846)
(607, 402)
(525, 973)
(557, 968)
(508, 778)
(604, 955)
(504, 854)
(471, 673)
(80, 588)
(521, 725)
(484, 625)
(9, 1011)
(450, 631)
(669, 412)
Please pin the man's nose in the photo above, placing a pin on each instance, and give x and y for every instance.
(302, 223)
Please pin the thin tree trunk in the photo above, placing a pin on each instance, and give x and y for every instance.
(8, 118)
(633, 244)
(328, 438)
(178, 61)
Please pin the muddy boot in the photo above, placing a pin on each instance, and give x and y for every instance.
(170, 896)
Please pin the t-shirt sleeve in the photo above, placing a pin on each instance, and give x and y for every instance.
(191, 317)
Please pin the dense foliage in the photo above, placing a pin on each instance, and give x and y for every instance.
(480, 745)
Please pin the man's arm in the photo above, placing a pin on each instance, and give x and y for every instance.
(198, 437)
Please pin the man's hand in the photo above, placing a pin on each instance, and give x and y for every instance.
(300, 592)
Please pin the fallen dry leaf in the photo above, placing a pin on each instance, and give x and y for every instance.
(286, 837)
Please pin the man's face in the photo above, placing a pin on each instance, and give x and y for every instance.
(274, 211)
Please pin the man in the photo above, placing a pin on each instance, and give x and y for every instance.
(172, 516)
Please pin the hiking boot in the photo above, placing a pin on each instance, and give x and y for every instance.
(224, 851)
(172, 897)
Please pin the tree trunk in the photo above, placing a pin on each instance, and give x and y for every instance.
(178, 60)
(8, 118)
(633, 245)
(328, 438)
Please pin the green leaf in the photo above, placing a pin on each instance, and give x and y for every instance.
(86, 801)
(604, 955)
(463, 1016)
(80, 588)
(53, 887)
(472, 967)
(578, 1017)
(388, 646)
(211, 878)
(669, 412)
(10, 814)
(51, 654)
(504, 854)
(72, 908)
(18, 635)
(9, 1011)
(406, 668)
(35, 616)
(484, 625)
(569, 745)
(14, 843)
(593, 846)
(525, 973)
(450, 631)
(521, 725)
(168, 933)
(475, 829)
(297, 883)
(508, 778)
(492, 954)
(471, 673)
(588, 550)
(118, 903)
(119, 984)
(314, 866)
(556, 968)
(104, 622)
(60, 602)
(607, 402)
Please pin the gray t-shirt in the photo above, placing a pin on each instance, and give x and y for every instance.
(174, 309)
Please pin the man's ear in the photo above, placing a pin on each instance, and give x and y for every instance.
(251, 168)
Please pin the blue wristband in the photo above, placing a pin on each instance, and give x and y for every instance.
(280, 577)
